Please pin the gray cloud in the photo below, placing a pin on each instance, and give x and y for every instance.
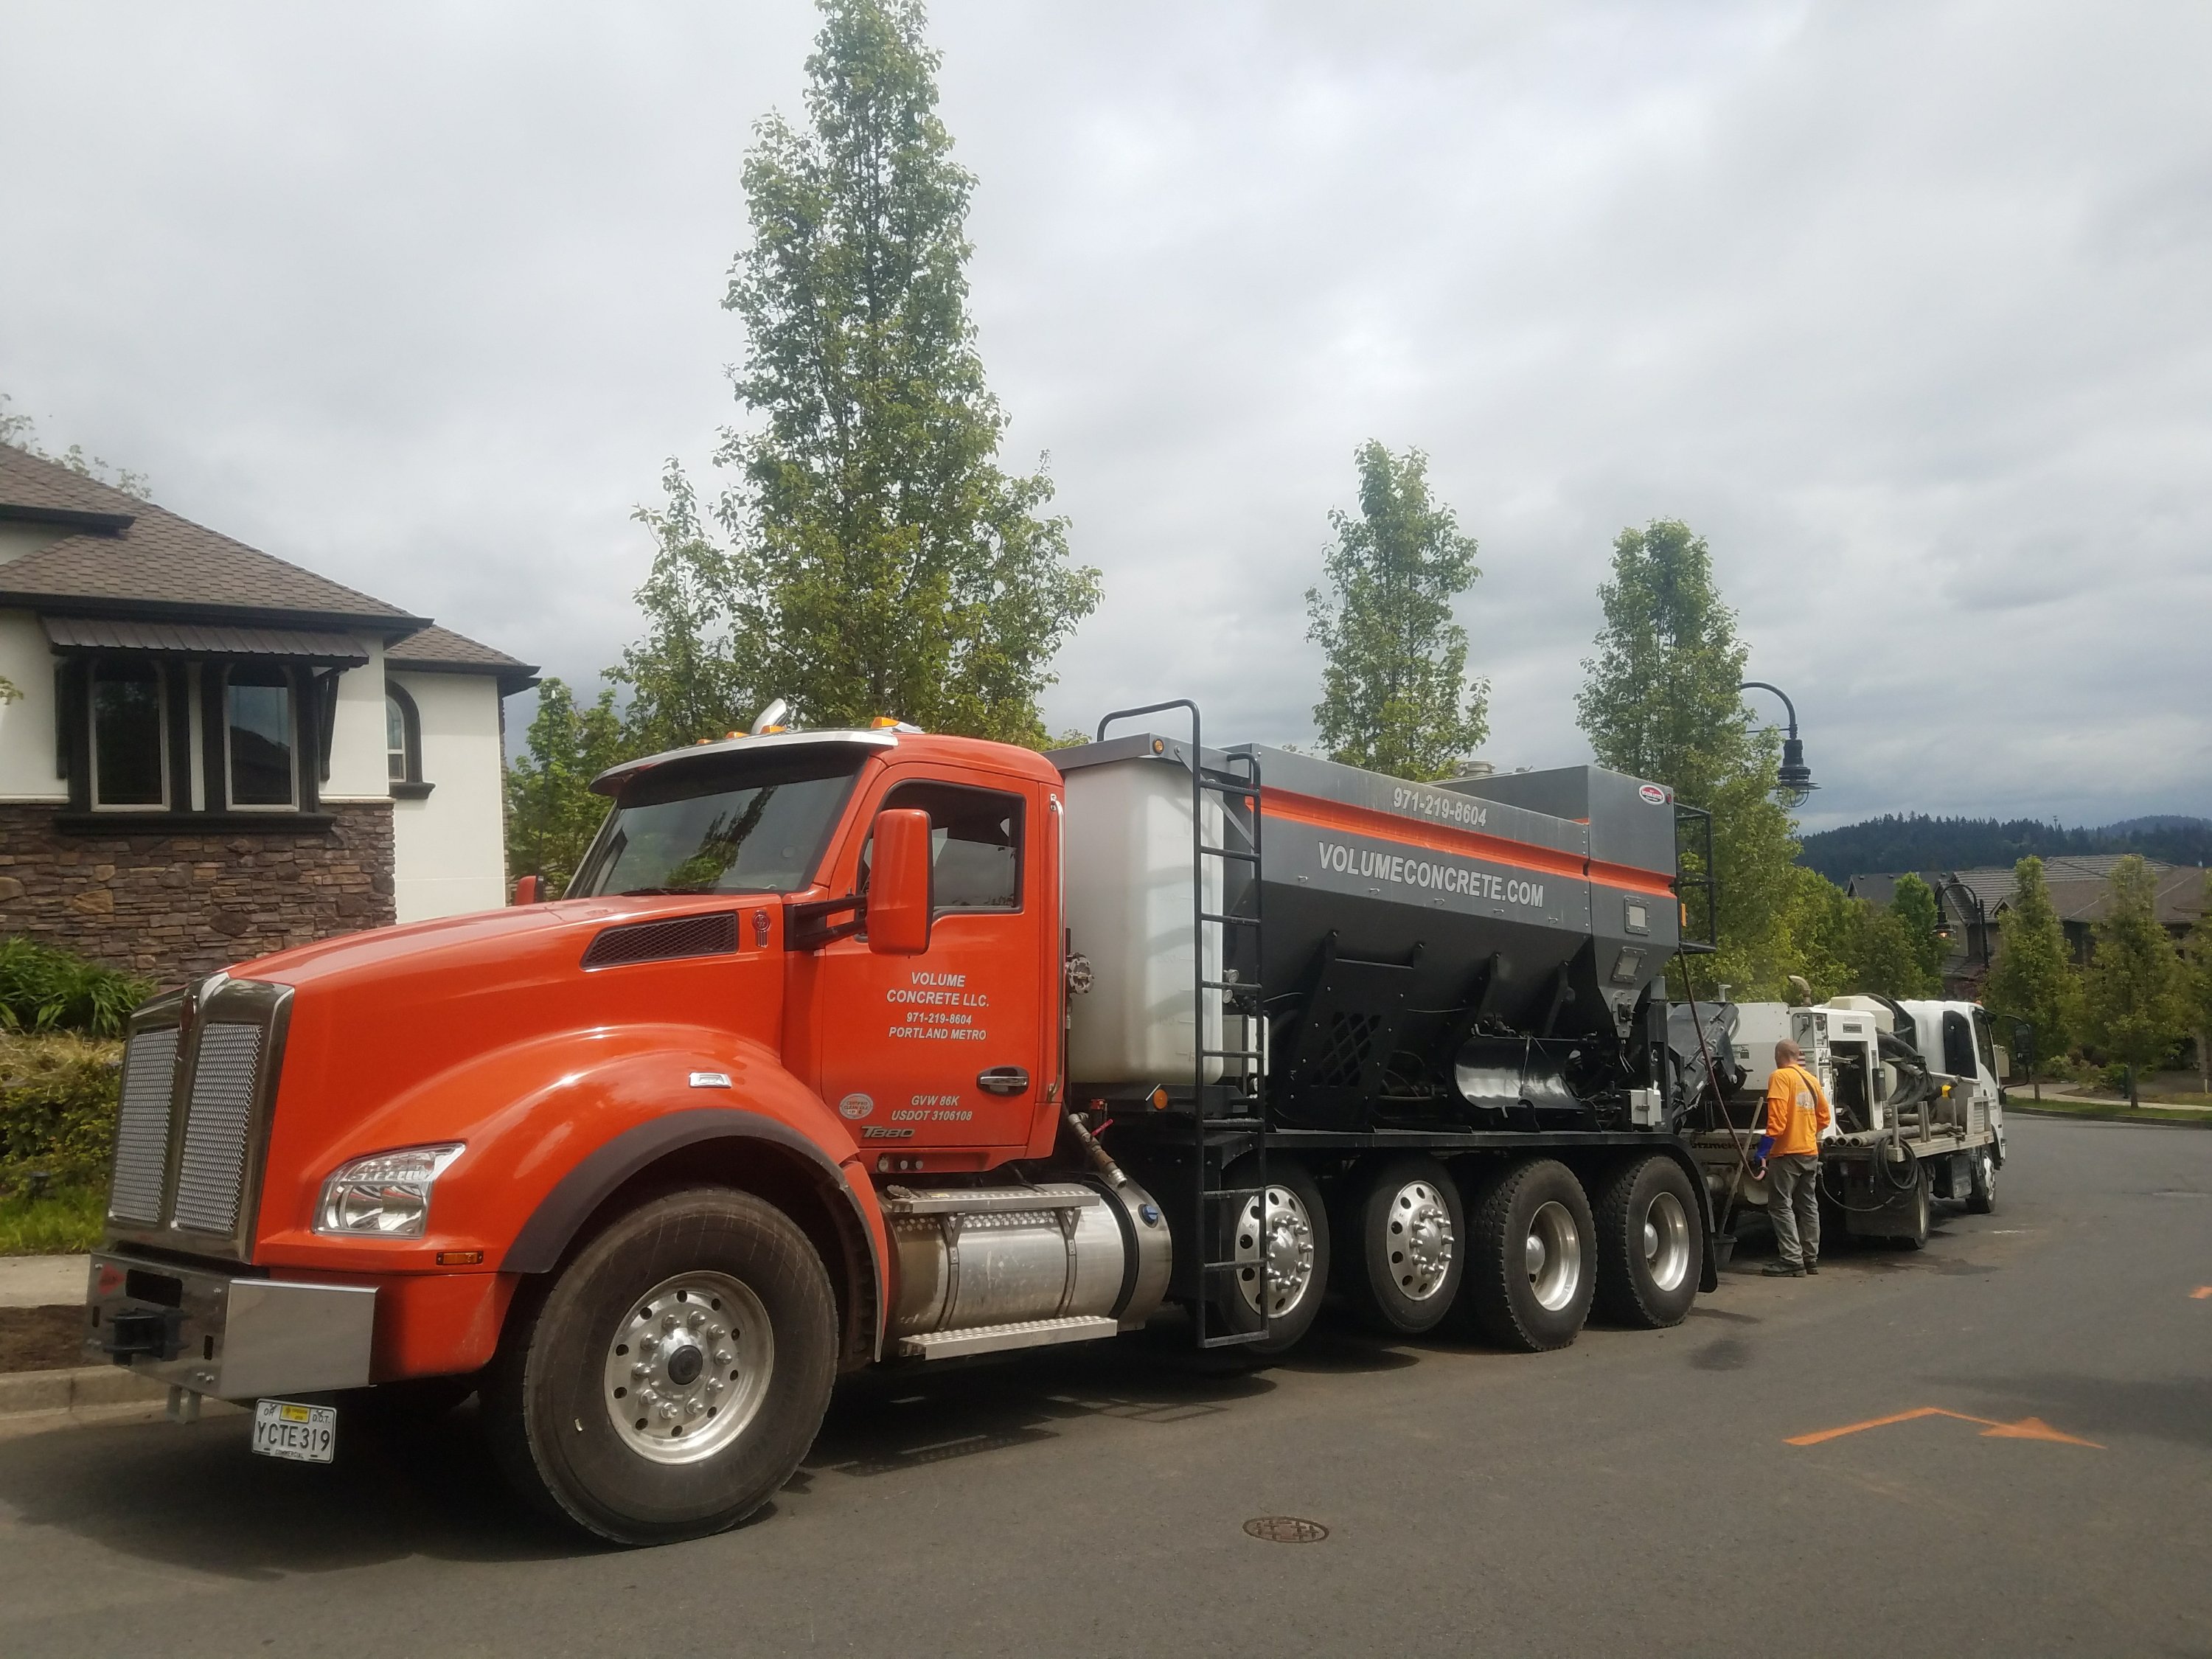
(1900, 305)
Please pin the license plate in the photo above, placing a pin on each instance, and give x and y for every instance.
(306, 1434)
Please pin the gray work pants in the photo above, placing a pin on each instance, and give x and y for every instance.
(1793, 1204)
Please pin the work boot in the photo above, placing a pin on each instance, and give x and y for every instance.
(1783, 1270)
(1811, 1264)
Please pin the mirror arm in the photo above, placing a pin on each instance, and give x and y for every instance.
(807, 926)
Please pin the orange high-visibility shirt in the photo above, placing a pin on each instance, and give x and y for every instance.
(1796, 1111)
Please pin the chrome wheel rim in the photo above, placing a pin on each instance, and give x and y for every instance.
(1666, 1241)
(687, 1368)
(1285, 1254)
(1554, 1252)
(1419, 1241)
(1989, 1174)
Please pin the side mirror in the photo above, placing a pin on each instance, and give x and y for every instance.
(898, 885)
(529, 889)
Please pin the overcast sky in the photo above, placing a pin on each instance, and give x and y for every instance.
(1907, 307)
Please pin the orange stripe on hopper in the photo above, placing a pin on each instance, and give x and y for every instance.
(1465, 843)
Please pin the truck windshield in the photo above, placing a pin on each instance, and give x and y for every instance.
(747, 827)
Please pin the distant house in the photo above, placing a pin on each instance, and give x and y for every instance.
(216, 753)
(1972, 903)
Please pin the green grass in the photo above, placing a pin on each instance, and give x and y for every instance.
(64, 1222)
(2115, 1110)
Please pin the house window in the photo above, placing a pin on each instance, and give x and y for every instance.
(259, 710)
(403, 737)
(129, 751)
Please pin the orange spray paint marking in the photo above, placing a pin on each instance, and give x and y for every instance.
(2028, 1428)
(2201, 1293)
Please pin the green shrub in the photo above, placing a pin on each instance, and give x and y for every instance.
(46, 989)
(64, 1223)
(59, 1096)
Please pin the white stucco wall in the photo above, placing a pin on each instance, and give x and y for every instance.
(358, 763)
(448, 851)
(26, 727)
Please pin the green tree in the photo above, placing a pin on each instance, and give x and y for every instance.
(684, 678)
(1395, 696)
(551, 812)
(2135, 981)
(1922, 921)
(1659, 701)
(2031, 979)
(2196, 985)
(882, 562)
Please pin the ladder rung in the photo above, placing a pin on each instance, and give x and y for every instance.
(1229, 984)
(1229, 852)
(1234, 1122)
(1237, 921)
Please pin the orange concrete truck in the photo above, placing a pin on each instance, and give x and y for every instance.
(872, 1048)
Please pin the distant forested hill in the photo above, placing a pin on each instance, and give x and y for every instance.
(1916, 843)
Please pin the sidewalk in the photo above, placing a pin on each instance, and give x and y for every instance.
(43, 1281)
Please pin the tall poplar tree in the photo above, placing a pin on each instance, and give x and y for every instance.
(1659, 701)
(2032, 981)
(1395, 696)
(2135, 1009)
(882, 562)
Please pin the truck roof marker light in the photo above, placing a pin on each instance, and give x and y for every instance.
(882, 723)
(1158, 747)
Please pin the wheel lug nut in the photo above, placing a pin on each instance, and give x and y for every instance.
(640, 1370)
(668, 1322)
(697, 1322)
(666, 1411)
(723, 1356)
(716, 1333)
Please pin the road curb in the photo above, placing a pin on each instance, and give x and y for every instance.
(33, 1401)
(2098, 1117)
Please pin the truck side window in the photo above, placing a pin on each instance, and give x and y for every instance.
(1957, 1044)
(1986, 1041)
(975, 840)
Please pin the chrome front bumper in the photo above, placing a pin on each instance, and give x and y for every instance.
(234, 1337)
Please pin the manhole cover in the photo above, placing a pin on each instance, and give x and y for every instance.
(1285, 1529)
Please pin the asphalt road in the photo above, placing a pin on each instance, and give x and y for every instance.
(1634, 1494)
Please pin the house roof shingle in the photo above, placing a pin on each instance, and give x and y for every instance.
(159, 562)
(441, 651)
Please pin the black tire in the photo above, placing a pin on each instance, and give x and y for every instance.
(1982, 1181)
(549, 1396)
(1498, 1297)
(1408, 1231)
(1920, 1208)
(1294, 1205)
(1650, 1244)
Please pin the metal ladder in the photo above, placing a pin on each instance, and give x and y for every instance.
(1243, 1091)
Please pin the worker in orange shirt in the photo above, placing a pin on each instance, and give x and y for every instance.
(1789, 1153)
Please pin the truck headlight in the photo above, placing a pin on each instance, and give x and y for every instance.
(386, 1195)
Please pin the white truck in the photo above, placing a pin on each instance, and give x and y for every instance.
(1920, 1114)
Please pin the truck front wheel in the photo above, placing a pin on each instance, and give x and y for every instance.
(1529, 1257)
(670, 1378)
(1650, 1244)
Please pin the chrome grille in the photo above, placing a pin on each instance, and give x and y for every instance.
(142, 1129)
(211, 1175)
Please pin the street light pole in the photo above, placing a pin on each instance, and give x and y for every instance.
(1793, 779)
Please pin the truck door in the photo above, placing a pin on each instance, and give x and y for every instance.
(947, 1049)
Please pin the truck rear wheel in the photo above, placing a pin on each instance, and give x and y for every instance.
(1530, 1252)
(1650, 1244)
(1286, 1252)
(672, 1375)
(1411, 1234)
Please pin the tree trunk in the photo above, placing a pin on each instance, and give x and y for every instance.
(2132, 1102)
(2035, 1082)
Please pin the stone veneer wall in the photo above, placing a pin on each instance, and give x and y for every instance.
(173, 906)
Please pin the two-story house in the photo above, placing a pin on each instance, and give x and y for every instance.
(212, 753)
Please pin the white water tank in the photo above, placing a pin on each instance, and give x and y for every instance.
(1128, 857)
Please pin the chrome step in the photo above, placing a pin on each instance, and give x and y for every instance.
(993, 1338)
